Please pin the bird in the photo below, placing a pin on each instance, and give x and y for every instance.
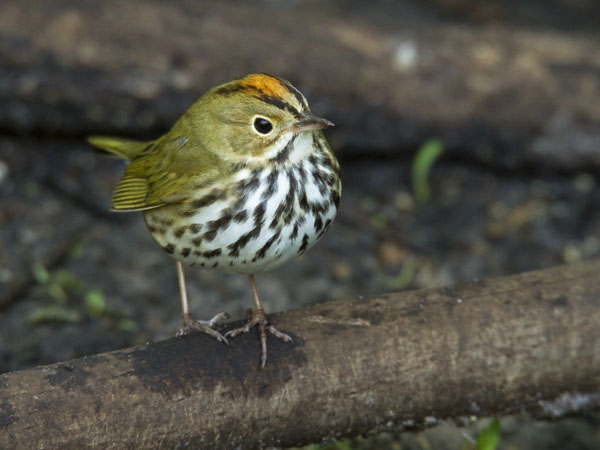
(243, 182)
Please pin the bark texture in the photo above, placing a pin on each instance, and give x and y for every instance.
(401, 360)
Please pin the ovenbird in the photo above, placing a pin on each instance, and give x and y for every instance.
(243, 182)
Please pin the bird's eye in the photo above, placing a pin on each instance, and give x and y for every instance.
(262, 125)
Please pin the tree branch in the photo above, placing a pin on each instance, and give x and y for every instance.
(402, 360)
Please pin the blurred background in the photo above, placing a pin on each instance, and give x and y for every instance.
(468, 133)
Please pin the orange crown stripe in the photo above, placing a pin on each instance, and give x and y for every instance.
(266, 84)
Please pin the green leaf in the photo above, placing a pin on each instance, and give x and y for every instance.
(68, 281)
(404, 278)
(423, 161)
(127, 325)
(378, 221)
(95, 303)
(76, 251)
(489, 437)
(40, 273)
(56, 291)
(53, 314)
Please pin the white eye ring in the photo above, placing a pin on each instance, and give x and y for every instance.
(262, 126)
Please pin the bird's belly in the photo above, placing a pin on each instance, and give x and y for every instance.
(264, 225)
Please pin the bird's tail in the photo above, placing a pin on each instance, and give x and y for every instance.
(119, 147)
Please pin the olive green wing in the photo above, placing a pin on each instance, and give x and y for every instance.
(131, 194)
(166, 172)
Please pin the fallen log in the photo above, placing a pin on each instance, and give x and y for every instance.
(528, 342)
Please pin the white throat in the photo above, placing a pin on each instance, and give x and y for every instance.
(301, 148)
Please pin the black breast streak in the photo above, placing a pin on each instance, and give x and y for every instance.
(325, 228)
(301, 174)
(209, 235)
(259, 215)
(318, 208)
(294, 234)
(188, 212)
(271, 186)
(286, 208)
(234, 249)
(335, 197)
(245, 187)
(323, 180)
(330, 179)
(318, 177)
(211, 253)
(290, 197)
(324, 189)
(240, 216)
(318, 224)
(209, 199)
(278, 212)
(263, 250)
(304, 244)
(284, 154)
(222, 222)
(166, 222)
(303, 203)
(324, 159)
(236, 167)
(300, 219)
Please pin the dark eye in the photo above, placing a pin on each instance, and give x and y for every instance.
(262, 125)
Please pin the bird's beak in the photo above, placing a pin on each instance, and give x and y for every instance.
(310, 122)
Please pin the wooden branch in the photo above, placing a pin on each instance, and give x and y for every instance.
(403, 360)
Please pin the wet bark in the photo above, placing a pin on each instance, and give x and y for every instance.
(398, 361)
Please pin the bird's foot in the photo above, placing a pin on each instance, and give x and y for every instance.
(206, 326)
(260, 318)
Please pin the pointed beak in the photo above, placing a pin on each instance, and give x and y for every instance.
(310, 122)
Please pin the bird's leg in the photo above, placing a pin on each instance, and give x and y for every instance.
(188, 321)
(259, 318)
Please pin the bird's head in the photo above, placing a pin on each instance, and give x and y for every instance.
(256, 115)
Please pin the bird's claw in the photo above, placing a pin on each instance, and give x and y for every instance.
(260, 318)
(206, 326)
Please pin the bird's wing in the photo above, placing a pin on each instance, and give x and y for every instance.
(166, 173)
